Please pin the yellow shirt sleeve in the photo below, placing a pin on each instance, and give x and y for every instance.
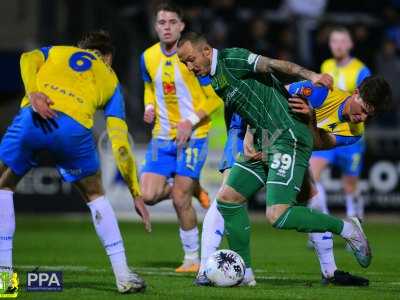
(149, 94)
(30, 64)
(211, 101)
(118, 134)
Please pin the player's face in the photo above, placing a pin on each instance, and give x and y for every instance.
(168, 26)
(196, 58)
(340, 44)
(359, 111)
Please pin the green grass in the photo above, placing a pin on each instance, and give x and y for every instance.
(285, 268)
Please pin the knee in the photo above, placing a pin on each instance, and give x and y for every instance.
(275, 212)
(228, 194)
(149, 197)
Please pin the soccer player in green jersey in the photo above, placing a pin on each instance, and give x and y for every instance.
(244, 82)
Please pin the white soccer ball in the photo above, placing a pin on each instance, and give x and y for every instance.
(225, 268)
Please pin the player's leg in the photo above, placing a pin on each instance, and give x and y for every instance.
(201, 194)
(323, 244)
(106, 226)
(8, 183)
(318, 162)
(182, 193)
(159, 166)
(154, 188)
(350, 159)
(213, 223)
(16, 159)
(244, 180)
(190, 160)
(287, 165)
(77, 161)
(211, 235)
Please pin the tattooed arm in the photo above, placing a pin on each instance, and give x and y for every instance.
(266, 64)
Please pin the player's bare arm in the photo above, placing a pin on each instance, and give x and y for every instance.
(266, 64)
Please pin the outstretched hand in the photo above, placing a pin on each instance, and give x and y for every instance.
(142, 211)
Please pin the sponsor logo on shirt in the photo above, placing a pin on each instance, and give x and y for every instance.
(169, 88)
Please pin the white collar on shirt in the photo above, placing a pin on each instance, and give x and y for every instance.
(214, 61)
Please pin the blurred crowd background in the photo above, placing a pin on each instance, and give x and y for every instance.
(295, 30)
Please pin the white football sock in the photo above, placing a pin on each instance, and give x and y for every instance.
(323, 245)
(7, 229)
(318, 202)
(360, 207)
(107, 229)
(350, 206)
(190, 243)
(347, 231)
(212, 233)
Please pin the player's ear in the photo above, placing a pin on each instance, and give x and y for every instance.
(183, 25)
(207, 50)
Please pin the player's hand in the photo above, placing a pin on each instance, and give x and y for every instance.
(184, 131)
(323, 79)
(299, 105)
(250, 153)
(41, 104)
(142, 211)
(149, 114)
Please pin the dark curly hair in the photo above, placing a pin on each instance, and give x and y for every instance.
(376, 93)
(97, 40)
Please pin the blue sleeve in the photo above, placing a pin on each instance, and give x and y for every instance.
(45, 51)
(143, 70)
(315, 94)
(115, 107)
(237, 125)
(204, 80)
(346, 140)
(364, 73)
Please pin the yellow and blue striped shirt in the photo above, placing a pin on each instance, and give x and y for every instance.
(175, 93)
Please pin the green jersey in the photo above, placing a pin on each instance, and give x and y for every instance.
(260, 99)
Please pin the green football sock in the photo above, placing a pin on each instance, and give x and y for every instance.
(304, 219)
(237, 228)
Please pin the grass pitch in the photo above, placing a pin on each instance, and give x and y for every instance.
(285, 268)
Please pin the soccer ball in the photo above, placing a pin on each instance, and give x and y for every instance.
(225, 268)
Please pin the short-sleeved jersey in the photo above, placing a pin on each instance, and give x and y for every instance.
(328, 106)
(178, 93)
(79, 82)
(347, 77)
(260, 99)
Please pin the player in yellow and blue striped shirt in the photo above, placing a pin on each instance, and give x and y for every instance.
(75, 82)
(348, 73)
(180, 104)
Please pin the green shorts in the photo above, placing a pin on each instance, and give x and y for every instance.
(282, 173)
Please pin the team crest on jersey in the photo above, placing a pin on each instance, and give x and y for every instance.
(306, 91)
(169, 88)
